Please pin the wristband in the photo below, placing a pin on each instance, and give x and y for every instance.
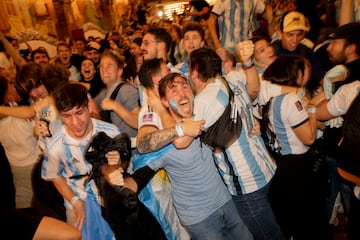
(179, 130)
(248, 65)
(311, 110)
(74, 199)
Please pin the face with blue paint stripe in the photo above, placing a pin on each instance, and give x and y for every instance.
(179, 98)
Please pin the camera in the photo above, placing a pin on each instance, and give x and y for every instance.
(102, 143)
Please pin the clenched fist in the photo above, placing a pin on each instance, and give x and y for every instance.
(245, 50)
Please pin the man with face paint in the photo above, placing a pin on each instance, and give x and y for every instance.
(149, 121)
(201, 200)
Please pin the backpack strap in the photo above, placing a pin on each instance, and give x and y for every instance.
(116, 90)
(234, 108)
(105, 114)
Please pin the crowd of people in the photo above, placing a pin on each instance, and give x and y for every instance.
(282, 78)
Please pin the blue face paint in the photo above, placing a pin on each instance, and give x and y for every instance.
(173, 105)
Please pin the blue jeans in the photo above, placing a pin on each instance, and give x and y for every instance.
(224, 223)
(333, 187)
(255, 209)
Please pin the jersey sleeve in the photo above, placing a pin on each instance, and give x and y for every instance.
(295, 111)
(148, 118)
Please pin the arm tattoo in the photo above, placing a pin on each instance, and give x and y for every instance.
(156, 140)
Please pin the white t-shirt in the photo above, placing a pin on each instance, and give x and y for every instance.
(340, 102)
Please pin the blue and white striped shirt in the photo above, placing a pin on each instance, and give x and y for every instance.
(237, 20)
(65, 158)
(248, 166)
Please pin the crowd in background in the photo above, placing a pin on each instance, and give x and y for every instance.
(287, 71)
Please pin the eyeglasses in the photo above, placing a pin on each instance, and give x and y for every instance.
(147, 42)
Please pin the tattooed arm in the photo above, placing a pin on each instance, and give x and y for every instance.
(157, 139)
(150, 138)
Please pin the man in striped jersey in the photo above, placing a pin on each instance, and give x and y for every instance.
(245, 165)
(237, 21)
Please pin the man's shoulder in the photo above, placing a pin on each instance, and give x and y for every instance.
(126, 87)
(147, 117)
(56, 139)
(102, 126)
(350, 87)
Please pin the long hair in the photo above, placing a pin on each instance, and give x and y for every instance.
(284, 71)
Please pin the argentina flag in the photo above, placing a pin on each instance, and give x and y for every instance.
(156, 196)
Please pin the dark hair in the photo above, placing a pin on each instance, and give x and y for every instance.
(148, 68)
(229, 56)
(161, 35)
(206, 62)
(165, 81)
(28, 77)
(62, 44)
(39, 50)
(32, 75)
(178, 29)
(194, 26)
(70, 95)
(81, 39)
(55, 75)
(257, 38)
(137, 41)
(285, 70)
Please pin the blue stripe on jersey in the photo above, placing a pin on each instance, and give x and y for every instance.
(222, 97)
(106, 127)
(279, 125)
(251, 149)
(232, 19)
(242, 17)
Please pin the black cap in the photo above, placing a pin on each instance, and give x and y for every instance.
(350, 32)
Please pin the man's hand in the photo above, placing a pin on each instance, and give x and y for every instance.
(108, 104)
(113, 157)
(154, 101)
(245, 50)
(318, 99)
(113, 175)
(221, 52)
(192, 128)
(256, 129)
(41, 128)
(79, 211)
